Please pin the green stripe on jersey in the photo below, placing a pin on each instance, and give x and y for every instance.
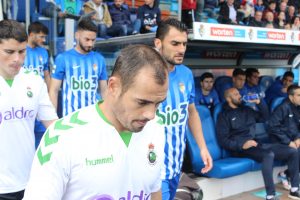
(9, 82)
(60, 125)
(126, 136)
(99, 111)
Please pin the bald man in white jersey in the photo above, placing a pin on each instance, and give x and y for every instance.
(113, 149)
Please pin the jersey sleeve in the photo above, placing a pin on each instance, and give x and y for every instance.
(50, 169)
(59, 68)
(46, 110)
(102, 72)
(46, 64)
(192, 92)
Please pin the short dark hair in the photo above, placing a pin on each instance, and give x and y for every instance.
(11, 29)
(135, 57)
(272, 1)
(165, 25)
(87, 25)
(238, 71)
(206, 75)
(250, 71)
(37, 27)
(291, 89)
(288, 74)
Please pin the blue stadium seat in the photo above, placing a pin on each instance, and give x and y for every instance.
(276, 102)
(212, 21)
(217, 110)
(219, 84)
(223, 166)
(197, 81)
(265, 82)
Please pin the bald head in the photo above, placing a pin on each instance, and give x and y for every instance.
(233, 97)
(228, 92)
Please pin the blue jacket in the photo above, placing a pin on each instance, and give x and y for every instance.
(236, 126)
(119, 16)
(284, 124)
(275, 90)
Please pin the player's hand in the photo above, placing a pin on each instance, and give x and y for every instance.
(249, 144)
(207, 160)
(147, 27)
(61, 14)
(293, 145)
(297, 142)
(284, 90)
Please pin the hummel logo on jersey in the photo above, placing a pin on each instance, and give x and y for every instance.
(233, 119)
(99, 161)
(15, 114)
(291, 115)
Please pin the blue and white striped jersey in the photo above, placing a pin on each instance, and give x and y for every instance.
(36, 60)
(173, 113)
(80, 74)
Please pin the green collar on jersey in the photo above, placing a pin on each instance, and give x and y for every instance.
(125, 135)
(9, 82)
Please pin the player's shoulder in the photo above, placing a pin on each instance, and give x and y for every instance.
(183, 68)
(97, 54)
(73, 123)
(43, 50)
(66, 53)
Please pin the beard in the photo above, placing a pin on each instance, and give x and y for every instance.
(85, 49)
(171, 60)
(236, 102)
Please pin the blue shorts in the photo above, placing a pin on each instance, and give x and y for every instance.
(169, 187)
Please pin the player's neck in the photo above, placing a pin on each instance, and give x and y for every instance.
(31, 44)
(6, 76)
(232, 105)
(79, 50)
(171, 68)
(205, 92)
(109, 115)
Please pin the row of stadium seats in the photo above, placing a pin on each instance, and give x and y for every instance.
(264, 82)
(224, 165)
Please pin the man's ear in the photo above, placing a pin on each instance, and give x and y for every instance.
(157, 44)
(114, 85)
(77, 35)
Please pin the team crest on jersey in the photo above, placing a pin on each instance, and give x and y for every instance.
(181, 87)
(95, 67)
(151, 154)
(29, 92)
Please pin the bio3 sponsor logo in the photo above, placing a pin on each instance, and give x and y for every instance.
(15, 114)
(129, 196)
